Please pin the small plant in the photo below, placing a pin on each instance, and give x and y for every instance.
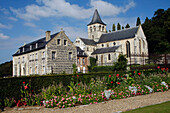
(9, 102)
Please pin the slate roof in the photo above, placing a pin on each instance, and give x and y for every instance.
(88, 41)
(118, 35)
(80, 52)
(40, 43)
(96, 19)
(105, 50)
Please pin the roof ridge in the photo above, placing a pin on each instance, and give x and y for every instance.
(122, 30)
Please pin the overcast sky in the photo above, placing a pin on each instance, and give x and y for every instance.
(23, 21)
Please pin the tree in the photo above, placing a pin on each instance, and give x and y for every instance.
(123, 27)
(138, 21)
(121, 64)
(113, 27)
(6, 69)
(127, 26)
(118, 26)
(157, 31)
(109, 30)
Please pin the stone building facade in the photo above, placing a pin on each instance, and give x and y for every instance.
(51, 54)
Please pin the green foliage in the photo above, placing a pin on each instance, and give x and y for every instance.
(138, 22)
(92, 61)
(74, 68)
(9, 102)
(157, 31)
(127, 26)
(118, 26)
(121, 64)
(6, 69)
(113, 27)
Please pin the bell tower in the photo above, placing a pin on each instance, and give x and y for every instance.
(96, 27)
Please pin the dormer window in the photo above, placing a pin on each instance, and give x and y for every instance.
(23, 49)
(58, 41)
(65, 42)
(18, 50)
(30, 47)
(36, 45)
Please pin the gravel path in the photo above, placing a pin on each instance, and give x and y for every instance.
(105, 107)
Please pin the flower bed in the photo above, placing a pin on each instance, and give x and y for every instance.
(114, 86)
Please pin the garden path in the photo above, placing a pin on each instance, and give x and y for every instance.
(106, 107)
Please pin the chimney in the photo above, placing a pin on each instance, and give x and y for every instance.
(48, 35)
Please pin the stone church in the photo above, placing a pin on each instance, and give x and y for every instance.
(106, 47)
(55, 53)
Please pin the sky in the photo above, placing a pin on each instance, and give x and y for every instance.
(23, 21)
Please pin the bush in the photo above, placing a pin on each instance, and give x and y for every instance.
(10, 87)
(103, 69)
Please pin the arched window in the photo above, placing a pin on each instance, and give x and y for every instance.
(114, 43)
(94, 28)
(90, 29)
(103, 28)
(140, 47)
(109, 58)
(102, 45)
(92, 37)
(99, 27)
(143, 44)
(128, 49)
(107, 45)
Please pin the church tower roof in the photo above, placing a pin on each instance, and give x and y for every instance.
(96, 18)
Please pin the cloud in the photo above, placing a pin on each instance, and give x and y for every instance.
(5, 26)
(13, 19)
(29, 24)
(5, 11)
(2, 36)
(61, 8)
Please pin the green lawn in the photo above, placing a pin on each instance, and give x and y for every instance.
(158, 108)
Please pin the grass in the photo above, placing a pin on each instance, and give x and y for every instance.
(158, 108)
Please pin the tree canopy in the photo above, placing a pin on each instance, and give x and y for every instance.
(118, 26)
(6, 69)
(157, 31)
(113, 27)
(127, 26)
(138, 22)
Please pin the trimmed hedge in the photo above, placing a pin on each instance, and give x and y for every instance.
(10, 87)
(103, 69)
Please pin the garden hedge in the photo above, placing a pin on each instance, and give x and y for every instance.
(10, 87)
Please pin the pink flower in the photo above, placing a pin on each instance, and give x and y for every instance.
(111, 82)
(158, 67)
(109, 75)
(118, 82)
(78, 84)
(77, 75)
(23, 82)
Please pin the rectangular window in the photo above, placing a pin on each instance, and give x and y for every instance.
(18, 60)
(78, 61)
(36, 45)
(70, 55)
(23, 59)
(53, 55)
(43, 54)
(43, 69)
(33, 57)
(83, 61)
(58, 41)
(65, 42)
(36, 55)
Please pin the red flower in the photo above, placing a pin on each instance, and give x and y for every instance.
(158, 67)
(111, 82)
(167, 69)
(134, 72)
(78, 84)
(109, 75)
(77, 75)
(23, 82)
(118, 82)
(26, 87)
(162, 69)
(139, 73)
(117, 75)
